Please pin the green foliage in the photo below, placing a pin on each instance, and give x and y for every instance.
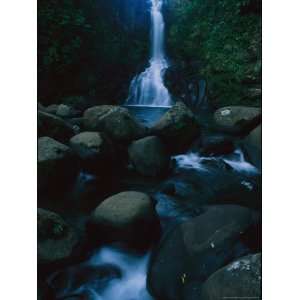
(82, 50)
(225, 37)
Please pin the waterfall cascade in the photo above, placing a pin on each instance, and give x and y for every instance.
(147, 88)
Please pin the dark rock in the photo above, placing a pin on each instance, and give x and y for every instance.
(241, 279)
(177, 128)
(149, 156)
(95, 151)
(56, 239)
(51, 109)
(195, 249)
(252, 145)
(128, 216)
(57, 166)
(54, 127)
(217, 145)
(235, 116)
(65, 111)
(115, 121)
(78, 103)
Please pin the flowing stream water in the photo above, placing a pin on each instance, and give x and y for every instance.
(147, 88)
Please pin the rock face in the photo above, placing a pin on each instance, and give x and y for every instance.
(55, 127)
(149, 156)
(231, 116)
(56, 164)
(115, 121)
(95, 151)
(56, 239)
(242, 279)
(197, 248)
(65, 111)
(252, 145)
(128, 216)
(177, 128)
(217, 145)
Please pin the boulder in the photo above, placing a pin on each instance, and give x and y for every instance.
(57, 165)
(128, 217)
(54, 127)
(65, 111)
(217, 145)
(56, 239)
(51, 109)
(195, 249)
(177, 128)
(115, 121)
(252, 146)
(149, 156)
(79, 103)
(236, 116)
(239, 279)
(95, 151)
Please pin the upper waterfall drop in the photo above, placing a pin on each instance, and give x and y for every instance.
(147, 88)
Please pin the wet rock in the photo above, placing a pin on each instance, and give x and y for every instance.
(65, 283)
(217, 145)
(236, 116)
(149, 156)
(177, 128)
(57, 166)
(56, 239)
(65, 111)
(95, 151)
(128, 216)
(195, 249)
(252, 146)
(115, 121)
(78, 103)
(51, 109)
(241, 279)
(54, 127)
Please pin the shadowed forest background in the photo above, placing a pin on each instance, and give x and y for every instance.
(92, 48)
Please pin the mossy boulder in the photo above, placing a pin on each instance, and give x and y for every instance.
(232, 117)
(95, 151)
(241, 278)
(54, 127)
(177, 128)
(149, 156)
(115, 121)
(195, 249)
(56, 239)
(252, 144)
(66, 111)
(129, 217)
(57, 165)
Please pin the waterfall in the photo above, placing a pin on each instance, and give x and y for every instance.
(147, 88)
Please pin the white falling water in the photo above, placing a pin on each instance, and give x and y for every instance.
(148, 87)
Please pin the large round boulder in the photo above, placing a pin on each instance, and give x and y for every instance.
(95, 151)
(128, 217)
(178, 127)
(252, 145)
(195, 249)
(233, 116)
(240, 279)
(56, 239)
(55, 127)
(149, 156)
(57, 166)
(65, 111)
(115, 121)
